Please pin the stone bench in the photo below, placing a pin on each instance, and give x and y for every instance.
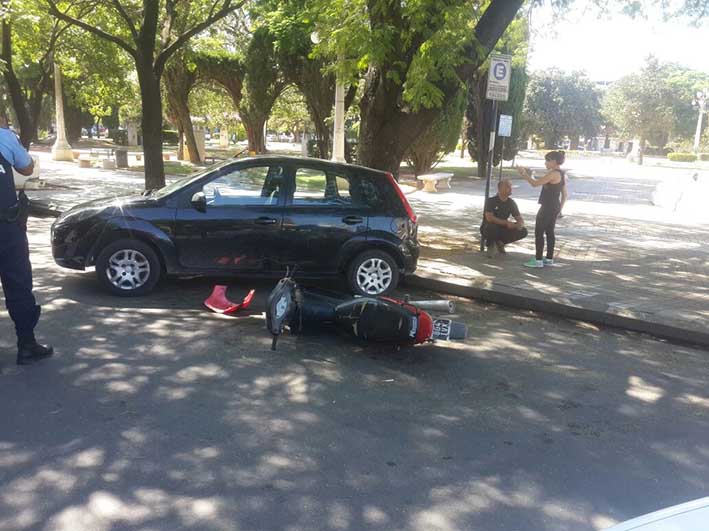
(431, 180)
(84, 161)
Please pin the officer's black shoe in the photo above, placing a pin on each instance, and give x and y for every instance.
(29, 353)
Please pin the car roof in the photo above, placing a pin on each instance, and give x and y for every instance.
(311, 161)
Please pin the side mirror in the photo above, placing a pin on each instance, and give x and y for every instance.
(199, 202)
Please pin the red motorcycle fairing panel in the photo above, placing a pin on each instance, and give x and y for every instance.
(218, 302)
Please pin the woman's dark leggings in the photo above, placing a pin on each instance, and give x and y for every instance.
(545, 224)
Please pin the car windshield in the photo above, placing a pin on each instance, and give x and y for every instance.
(185, 181)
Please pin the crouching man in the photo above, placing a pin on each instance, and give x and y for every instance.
(496, 229)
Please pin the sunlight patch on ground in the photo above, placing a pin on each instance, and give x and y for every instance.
(644, 391)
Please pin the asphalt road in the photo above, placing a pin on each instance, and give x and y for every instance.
(158, 415)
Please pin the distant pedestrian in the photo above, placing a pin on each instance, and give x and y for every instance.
(496, 228)
(15, 267)
(551, 199)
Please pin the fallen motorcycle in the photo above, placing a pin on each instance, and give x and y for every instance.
(375, 319)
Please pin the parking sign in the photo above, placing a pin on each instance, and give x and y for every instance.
(498, 79)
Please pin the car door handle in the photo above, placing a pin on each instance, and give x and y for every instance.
(265, 221)
(352, 220)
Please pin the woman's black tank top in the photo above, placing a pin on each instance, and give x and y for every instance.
(551, 193)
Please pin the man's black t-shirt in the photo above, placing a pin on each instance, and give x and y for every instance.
(501, 209)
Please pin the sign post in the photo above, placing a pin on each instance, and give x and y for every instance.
(504, 130)
(498, 88)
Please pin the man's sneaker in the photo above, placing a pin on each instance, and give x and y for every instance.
(548, 261)
(30, 353)
(501, 247)
(534, 263)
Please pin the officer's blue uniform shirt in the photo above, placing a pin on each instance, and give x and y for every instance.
(11, 154)
(12, 150)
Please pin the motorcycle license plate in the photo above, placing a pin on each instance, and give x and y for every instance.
(441, 329)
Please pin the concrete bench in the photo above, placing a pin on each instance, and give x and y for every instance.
(431, 180)
(84, 161)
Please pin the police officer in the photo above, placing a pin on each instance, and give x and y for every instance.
(15, 268)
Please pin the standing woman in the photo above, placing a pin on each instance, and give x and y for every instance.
(551, 199)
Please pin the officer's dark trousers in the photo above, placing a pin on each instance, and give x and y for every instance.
(16, 277)
(496, 233)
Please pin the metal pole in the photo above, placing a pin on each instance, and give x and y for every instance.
(338, 141)
(698, 133)
(502, 154)
(488, 169)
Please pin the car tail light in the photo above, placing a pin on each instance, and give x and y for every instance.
(409, 211)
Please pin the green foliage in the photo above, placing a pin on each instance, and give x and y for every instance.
(98, 78)
(213, 106)
(418, 44)
(290, 112)
(560, 104)
(704, 157)
(682, 157)
(684, 83)
(639, 105)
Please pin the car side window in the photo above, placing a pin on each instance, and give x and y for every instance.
(254, 186)
(318, 187)
(366, 192)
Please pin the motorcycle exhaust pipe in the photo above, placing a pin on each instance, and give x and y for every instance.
(435, 305)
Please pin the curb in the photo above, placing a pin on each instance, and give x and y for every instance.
(659, 330)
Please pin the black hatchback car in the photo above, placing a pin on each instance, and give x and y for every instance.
(249, 217)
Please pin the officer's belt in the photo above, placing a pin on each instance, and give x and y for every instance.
(10, 214)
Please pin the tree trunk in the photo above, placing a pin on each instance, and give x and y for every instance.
(190, 140)
(574, 142)
(28, 130)
(181, 142)
(322, 138)
(151, 123)
(178, 84)
(72, 119)
(254, 131)
(386, 132)
(641, 150)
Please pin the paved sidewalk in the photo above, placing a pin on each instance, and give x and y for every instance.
(615, 265)
(621, 261)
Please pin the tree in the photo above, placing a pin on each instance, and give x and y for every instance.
(560, 104)
(685, 83)
(29, 40)
(97, 81)
(263, 83)
(146, 33)
(639, 105)
(416, 56)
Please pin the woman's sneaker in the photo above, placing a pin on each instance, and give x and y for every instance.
(548, 261)
(534, 263)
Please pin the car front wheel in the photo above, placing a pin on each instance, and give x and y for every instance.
(128, 268)
(373, 273)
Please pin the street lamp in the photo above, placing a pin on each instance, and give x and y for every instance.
(338, 141)
(700, 102)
